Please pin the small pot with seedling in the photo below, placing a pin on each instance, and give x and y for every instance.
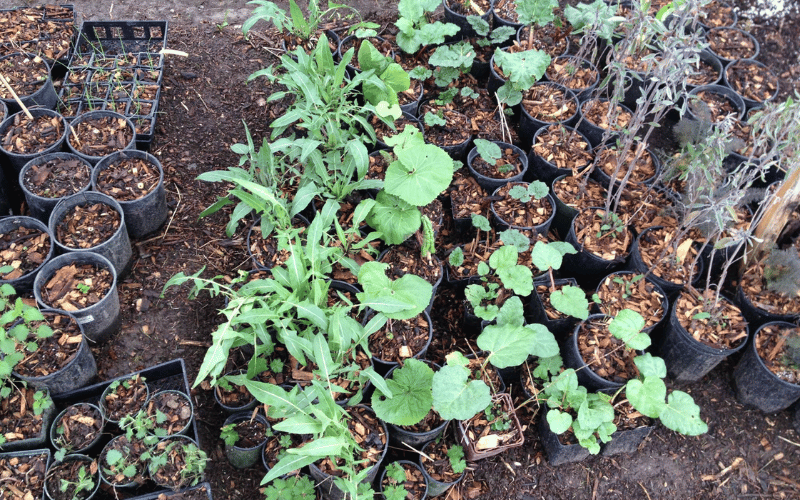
(176, 462)
(26, 244)
(442, 461)
(126, 396)
(524, 206)
(76, 477)
(403, 480)
(602, 240)
(493, 164)
(77, 429)
(299, 487)
(83, 284)
(444, 126)
(558, 150)
(121, 462)
(244, 434)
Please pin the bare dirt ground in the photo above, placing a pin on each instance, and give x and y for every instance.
(204, 102)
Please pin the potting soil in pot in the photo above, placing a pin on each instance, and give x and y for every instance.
(23, 249)
(86, 226)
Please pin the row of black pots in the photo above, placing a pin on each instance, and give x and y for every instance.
(99, 321)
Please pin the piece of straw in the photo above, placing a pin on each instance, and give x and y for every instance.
(15, 96)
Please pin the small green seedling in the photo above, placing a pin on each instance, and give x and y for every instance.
(291, 488)
(536, 190)
(491, 153)
(456, 456)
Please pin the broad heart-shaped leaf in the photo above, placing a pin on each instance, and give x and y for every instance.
(419, 174)
(522, 68)
(559, 421)
(504, 257)
(457, 55)
(454, 397)
(412, 396)
(536, 11)
(683, 415)
(410, 291)
(394, 218)
(648, 396)
(519, 279)
(510, 345)
(512, 313)
(546, 255)
(650, 366)
(571, 301)
(396, 78)
(627, 326)
(544, 342)
(370, 58)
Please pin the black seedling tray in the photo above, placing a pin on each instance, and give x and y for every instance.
(120, 37)
(169, 375)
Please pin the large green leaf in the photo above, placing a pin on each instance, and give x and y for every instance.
(627, 326)
(419, 174)
(412, 396)
(456, 398)
(570, 300)
(403, 298)
(394, 218)
(559, 421)
(683, 415)
(648, 396)
(522, 68)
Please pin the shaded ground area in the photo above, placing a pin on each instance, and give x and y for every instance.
(204, 100)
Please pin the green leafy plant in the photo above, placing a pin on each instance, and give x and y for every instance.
(228, 434)
(535, 190)
(489, 36)
(82, 486)
(143, 426)
(393, 488)
(391, 79)
(419, 173)
(597, 18)
(415, 29)
(502, 270)
(179, 455)
(490, 152)
(411, 394)
(451, 61)
(292, 488)
(295, 22)
(456, 456)
(83, 288)
(522, 70)
(536, 11)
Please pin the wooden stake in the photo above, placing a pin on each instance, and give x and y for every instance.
(15, 96)
(781, 205)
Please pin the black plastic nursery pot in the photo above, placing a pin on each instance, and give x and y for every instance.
(573, 359)
(593, 132)
(756, 316)
(539, 168)
(465, 28)
(638, 265)
(24, 283)
(244, 457)
(490, 184)
(325, 482)
(117, 248)
(582, 93)
(382, 366)
(233, 409)
(436, 487)
(541, 229)
(40, 439)
(89, 409)
(44, 96)
(655, 290)
(709, 58)
(54, 142)
(604, 178)
(763, 69)
(625, 442)
(558, 453)
(727, 93)
(107, 476)
(28, 474)
(409, 464)
(99, 321)
(40, 207)
(471, 450)
(52, 493)
(76, 373)
(585, 265)
(75, 148)
(528, 125)
(499, 20)
(756, 385)
(751, 54)
(148, 213)
(153, 467)
(687, 359)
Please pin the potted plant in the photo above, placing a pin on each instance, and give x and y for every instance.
(77, 428)
(524, 206)
(403, 479)
(244, 436)
(443, 463)
(176, 462)
(124, 397)
(121, 462)
(494, 164)
(25, 472)
(75, 477)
